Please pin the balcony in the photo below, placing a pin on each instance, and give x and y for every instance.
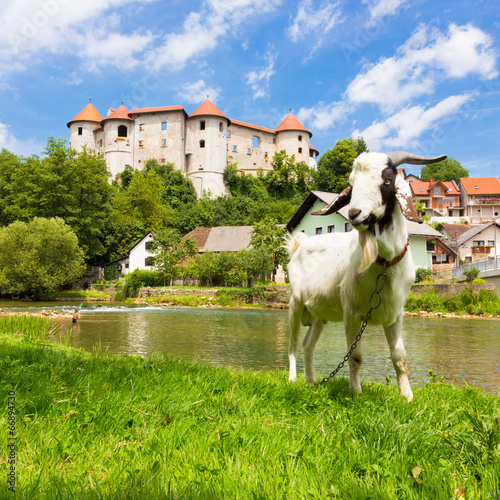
(481, 250)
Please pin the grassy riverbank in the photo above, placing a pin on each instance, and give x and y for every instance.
(93, 426)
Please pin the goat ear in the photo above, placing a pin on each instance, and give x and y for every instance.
(339, 202)
(403, 194)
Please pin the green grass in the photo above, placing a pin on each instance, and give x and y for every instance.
(94, 294)
(94, 426)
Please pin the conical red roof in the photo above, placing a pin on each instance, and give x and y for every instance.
(291, 123)
(120, 113)
(87, 114)
(208, 108)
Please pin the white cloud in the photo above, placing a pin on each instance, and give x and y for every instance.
(259, 79)
(426, 59)
(197, 92)
(404, 128)
(316, 23)
(382, 8)
(11, 143)
(201, 31)
(323, 115)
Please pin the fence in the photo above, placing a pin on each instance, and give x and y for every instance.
(483, 265)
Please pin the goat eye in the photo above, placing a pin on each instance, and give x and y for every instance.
(387, 182)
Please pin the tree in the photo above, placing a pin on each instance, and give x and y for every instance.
(334, 166)
(170, 251)
(446, 170)
(39, 256)
(267, 237)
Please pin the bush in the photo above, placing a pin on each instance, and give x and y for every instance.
(470, 274)
(423, 274)
(478, 281)
(138, 279)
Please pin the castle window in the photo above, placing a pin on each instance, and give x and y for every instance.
(202, 125)
(122, 131)
(255, 141)
(141, 144)
(163, 160)
(249, 151)
(300, 137)
(311, 153)
(164, 143)
(266, 158)
(202, 143)
(221, 126)
(234, 148)
(100, 143)
(274, 140)
(164, 126)
(228, 134)
(80, 130)
(141, 127)
(300, 150)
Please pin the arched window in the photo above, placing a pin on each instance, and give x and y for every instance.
(122, 131)
(202, 143)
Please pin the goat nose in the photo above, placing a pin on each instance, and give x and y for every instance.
(353, 213)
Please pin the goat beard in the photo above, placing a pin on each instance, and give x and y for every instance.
(369, 249)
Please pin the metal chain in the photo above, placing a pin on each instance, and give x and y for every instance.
(379, 285)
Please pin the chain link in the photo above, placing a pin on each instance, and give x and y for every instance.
(379, 285)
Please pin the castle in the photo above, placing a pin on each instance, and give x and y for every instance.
(200, 144)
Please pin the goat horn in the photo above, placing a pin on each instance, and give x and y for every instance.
(399, 157)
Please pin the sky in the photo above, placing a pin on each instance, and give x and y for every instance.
(419, 76)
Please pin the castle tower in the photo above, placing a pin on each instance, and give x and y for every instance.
(82, 126)
(115, 139)
(206, 149)
(294, 137)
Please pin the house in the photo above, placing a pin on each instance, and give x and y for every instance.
(140, 256)
(444, 258)
(441, 199)
(479, 243)
(312, 225)
(200, 144)
(481, 198)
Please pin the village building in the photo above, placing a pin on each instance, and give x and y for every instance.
(441, 199)
(481, 198)
(200, 144)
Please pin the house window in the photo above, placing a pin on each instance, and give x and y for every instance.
(255, 142)
(202, 143)
(141, 127)
(202, 125)
(300, 150)
(228, 134)
(149, 261)
(468, 259)
(300, 137)
(164, 143)
(318, 230)
(234, 148)
(149, 245)
(442, 258)
(164, 125)
(122, 131)
(141, 144)
(437, 192)
(330, 229)
(478, 243)
(491, 243)
(80, 130)
(347, 227)
(221, 126)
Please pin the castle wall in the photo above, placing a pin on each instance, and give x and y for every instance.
(160, 136)
(249, 158)
(118, 150)
(295, 142)
(76, 140)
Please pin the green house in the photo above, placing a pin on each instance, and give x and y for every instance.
(338, 222)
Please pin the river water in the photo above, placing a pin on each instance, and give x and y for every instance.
(460, 350)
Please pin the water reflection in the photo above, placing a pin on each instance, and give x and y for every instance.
(462, 351)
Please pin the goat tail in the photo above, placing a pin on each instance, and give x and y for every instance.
(369, 249)
(293, 242)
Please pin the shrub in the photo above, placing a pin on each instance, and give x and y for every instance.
(423, 274)
(138, 279)
(470, 274)
(478, 281)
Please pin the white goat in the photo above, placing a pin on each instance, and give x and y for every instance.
(332, 276)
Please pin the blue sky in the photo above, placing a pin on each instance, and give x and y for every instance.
(420, 75)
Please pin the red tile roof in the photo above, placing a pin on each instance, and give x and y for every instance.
(209, 109)
(313, 148)
(87, 114)
(243, 124)
(155, 110)
(291, 123)
(422, 187)
(199, 235)
(120, 113)
(485, 185)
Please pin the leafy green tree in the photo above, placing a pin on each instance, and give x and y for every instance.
(267, 236)
(39, 256)
(61, 183)
(446, 170)
(334, 166)
(170, 251)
